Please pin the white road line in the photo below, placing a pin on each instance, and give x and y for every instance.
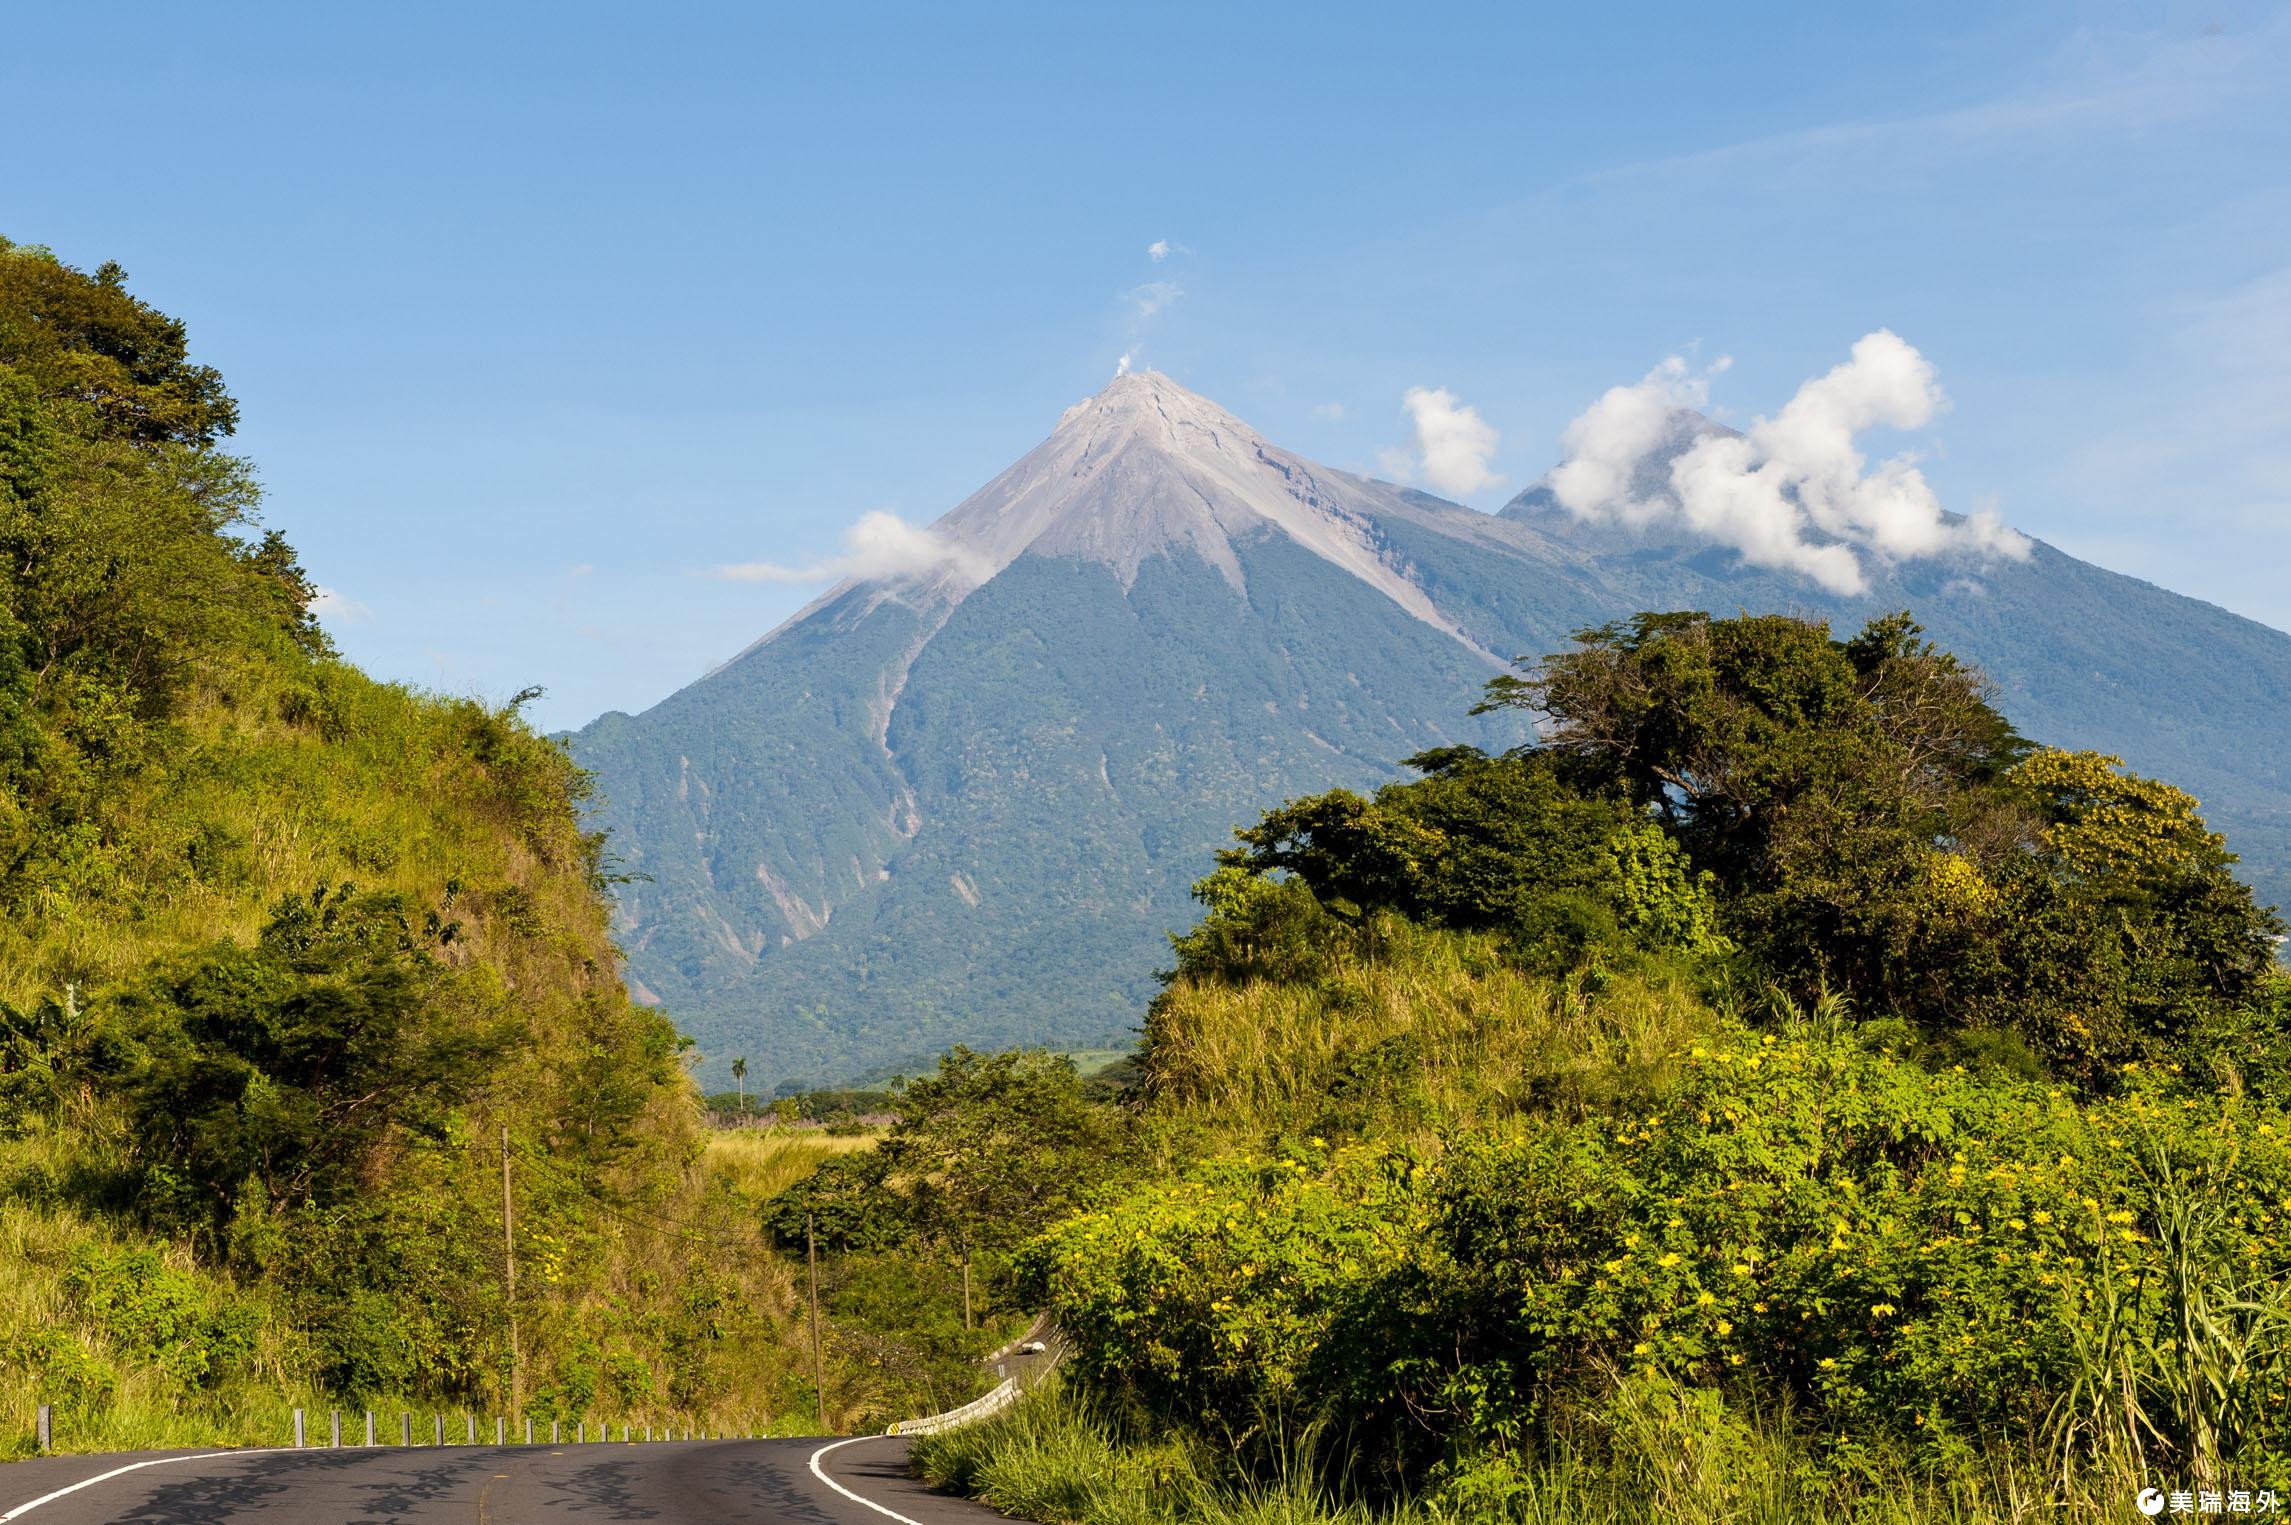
(133, 1466)
(820, 1473)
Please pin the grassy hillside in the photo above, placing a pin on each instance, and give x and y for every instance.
(284, 952)
(1492, 1163)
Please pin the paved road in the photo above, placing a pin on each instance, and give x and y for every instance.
(768, 1482)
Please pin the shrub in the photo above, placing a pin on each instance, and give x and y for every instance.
(1917, 1262)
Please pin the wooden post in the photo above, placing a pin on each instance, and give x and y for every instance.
(405, 1428)
(500, 1430)
(335, 1430)
(818, 1360)
(369, 1427)
(509, 1273)
(47, 1427)
(298, 1429)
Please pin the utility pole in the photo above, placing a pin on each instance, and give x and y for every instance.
(509, 1269)
(818, 1362)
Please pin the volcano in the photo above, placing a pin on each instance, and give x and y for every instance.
(965, 803)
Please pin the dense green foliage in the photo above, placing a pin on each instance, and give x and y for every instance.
(913, 1234)
(1877, 828)
(283, 951)
(1929, 1146)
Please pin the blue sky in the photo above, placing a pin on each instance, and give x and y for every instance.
(538, 313)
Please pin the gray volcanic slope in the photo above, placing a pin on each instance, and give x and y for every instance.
(965, 805)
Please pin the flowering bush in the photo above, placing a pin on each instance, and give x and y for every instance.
(1919, 1261)
(1212, 1298)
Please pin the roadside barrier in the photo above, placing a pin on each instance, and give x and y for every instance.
(300, 1438)
(1041, 1346)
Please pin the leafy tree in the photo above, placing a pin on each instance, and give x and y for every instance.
(846, 1206)
(991, 1146)
(1877, 828)
(2121, 933)
(285, 1068)
(88, 339)
(1477, 843)
(1815, 778)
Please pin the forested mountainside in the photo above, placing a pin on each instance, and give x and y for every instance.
(289, 960)
(964, 805)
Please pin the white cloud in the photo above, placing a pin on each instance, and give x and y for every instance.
(1332, 411)
(879, 547)
(335, 608)
(1158, 250)
(1122, 366)
(1792, 491)
(1453, 443)
(1608, 444)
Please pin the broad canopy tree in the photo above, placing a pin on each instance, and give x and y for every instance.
(1781, 807)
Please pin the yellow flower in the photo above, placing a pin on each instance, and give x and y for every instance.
(1724, 1328)
(1884, 1310)
(1706, 1299)
(2120, 1216)
(1741, 1270)
(1759, 1307)
(1641, 1348)
(1669, 1260)
(1828, 1364)
(2043, 1217)
(1734, 1360)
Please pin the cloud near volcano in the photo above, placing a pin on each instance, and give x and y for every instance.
(879, 546)
(1792, 491)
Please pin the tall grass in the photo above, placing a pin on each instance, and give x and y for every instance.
(1473, 1036)
(1657, 1452)
(759, 1163)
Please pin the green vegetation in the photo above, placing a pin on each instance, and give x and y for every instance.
(1785, 1094)
(283, 952)
(915, 1233)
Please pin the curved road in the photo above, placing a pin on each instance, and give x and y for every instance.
(769, 1482)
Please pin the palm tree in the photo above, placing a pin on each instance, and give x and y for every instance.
(740, 1079)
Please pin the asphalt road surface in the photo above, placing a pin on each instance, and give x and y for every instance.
(769, 1482)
